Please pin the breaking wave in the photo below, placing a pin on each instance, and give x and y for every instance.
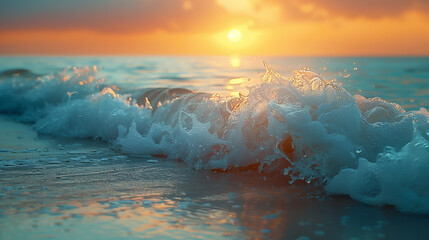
(302, 126)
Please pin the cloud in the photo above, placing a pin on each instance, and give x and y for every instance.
(129, 16)
(301, 10)
(114, 16)
(308, 9)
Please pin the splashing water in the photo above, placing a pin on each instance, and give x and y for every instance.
(301, 126)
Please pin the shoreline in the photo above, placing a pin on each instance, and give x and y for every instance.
(71, 188)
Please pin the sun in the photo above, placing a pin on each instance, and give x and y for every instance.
(234, 35)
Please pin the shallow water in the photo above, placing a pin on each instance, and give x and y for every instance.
(86, 190)
(82, 188)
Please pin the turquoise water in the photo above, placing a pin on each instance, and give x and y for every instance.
(110, 150)
(400, 80)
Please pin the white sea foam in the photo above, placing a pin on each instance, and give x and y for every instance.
(303, 126)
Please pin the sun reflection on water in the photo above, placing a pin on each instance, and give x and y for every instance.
(235, 61)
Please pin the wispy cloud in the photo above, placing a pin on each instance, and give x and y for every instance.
(186, 15)
(269, 27)
(113, 15)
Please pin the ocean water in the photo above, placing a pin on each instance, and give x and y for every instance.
(209, 147)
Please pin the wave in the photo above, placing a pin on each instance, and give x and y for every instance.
(302, 126)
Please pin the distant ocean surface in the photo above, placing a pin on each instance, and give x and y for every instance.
(355, 126)
(404, 81)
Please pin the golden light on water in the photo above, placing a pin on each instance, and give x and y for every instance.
(235, 94)
(235, 61)
(237, 81)
(235, 86)
(234, 35)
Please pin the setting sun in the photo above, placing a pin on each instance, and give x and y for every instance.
(234, 35)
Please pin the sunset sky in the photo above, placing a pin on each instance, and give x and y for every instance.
(201, 27)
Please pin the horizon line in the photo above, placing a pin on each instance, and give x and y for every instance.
(219, 55)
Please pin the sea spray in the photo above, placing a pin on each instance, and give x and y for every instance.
(303, 126)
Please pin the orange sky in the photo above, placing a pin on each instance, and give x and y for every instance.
(197, 27)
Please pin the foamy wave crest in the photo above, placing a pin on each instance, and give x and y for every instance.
(302, 126)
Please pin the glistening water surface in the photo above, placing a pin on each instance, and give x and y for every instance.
(213, 147)
(400, 80)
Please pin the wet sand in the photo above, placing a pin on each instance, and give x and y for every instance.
(84, 189)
